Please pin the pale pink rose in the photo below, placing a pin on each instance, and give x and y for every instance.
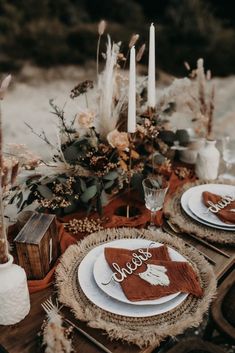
(85, 119)
(118, 140)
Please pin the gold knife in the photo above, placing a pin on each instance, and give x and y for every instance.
(200, 240)
(89, 337)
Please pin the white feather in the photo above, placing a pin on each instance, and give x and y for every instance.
(155, 275)
(106, 88)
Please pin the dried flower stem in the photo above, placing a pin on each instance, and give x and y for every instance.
(97, 56)
(211, 112)
(101, 29)
(140, 53)
(60, 113)
(42, 136)
(132, 42)
(201, 86)
(3, 234)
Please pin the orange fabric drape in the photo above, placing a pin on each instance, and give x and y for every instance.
(112, 221)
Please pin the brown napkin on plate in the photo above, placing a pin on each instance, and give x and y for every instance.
(177, 276)
(225, 214)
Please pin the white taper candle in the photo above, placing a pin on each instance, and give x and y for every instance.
(131, 123)
(151, 68)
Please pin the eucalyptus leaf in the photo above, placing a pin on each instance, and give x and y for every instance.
(111, 175)
(108, 184)
(136, 181)
(104, 199)
(82, 185)
(62, 179)
(45, 192)
(71, 208)
(20, 200)
(157, 182)
(158, 158)
(89, 193)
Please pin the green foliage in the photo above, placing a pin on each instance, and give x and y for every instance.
(158, 158)
(89, 193)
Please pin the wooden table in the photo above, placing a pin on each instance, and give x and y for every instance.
(22, 338)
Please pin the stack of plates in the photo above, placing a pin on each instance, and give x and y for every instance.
(192, 204)
(94, 270)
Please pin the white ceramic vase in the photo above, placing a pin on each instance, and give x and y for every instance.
(14, 293)
(207, 163)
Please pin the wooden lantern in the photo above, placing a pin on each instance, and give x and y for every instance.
(37, 245)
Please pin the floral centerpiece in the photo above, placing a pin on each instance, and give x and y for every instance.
(95, 157)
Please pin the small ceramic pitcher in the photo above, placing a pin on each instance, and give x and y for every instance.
(14, 294)
(207, 163)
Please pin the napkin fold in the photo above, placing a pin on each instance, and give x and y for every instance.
(227, 214)
(157, 277)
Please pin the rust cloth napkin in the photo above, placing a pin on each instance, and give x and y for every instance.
(225, 214)
(181, 276)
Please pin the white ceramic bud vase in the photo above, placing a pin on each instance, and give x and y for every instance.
(14, 293)
(207, 163)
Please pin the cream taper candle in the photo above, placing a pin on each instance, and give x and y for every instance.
(131, 123)
(151, 68)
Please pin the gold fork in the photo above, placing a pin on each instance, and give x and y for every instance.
(49, 307)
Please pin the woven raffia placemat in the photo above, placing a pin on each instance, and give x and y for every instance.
(140, 331)
(174, 212)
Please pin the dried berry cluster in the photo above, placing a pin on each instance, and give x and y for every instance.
(84, 225)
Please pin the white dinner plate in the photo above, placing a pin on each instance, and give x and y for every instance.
(184, 203)
(104, 301)
(102, 274)
(196, 204)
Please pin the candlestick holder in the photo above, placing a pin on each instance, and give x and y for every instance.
(131, 137)
(150, 113)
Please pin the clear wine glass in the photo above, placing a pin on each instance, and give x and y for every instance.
(228, 153)
(154, 194)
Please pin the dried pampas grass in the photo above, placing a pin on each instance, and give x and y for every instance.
(3, 235)
(55, 335)
(101, 28)
(133, 40)
(108, 115)
(140, 52)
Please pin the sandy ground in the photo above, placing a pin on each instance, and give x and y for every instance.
(28, 101)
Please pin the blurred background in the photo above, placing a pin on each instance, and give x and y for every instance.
(50, 45)
(48, 32)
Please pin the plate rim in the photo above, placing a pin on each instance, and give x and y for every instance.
(149, 308)
(200, 217)
(186, 209)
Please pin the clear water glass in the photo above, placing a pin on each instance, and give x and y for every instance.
(228, 153)
(154, 198)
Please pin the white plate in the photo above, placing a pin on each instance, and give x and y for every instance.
(102, 274)
(104, 301)
(184, 203)
(196, 205)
